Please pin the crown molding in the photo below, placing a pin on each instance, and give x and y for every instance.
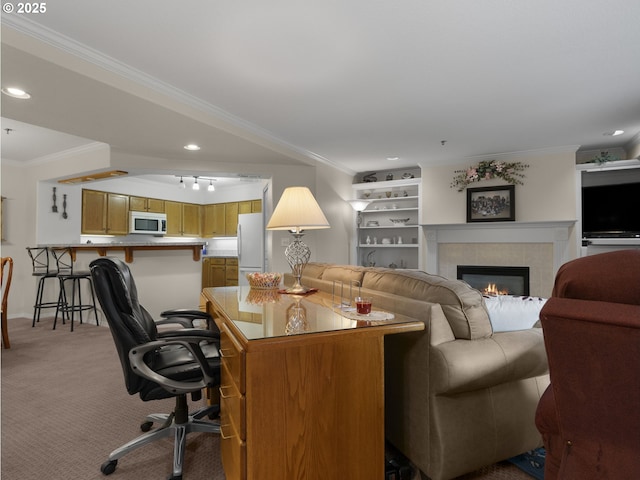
(83, 52)
(528, 153)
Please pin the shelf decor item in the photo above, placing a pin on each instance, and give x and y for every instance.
(399, 221)
(511, 172)
(603, 158)
(491, 204)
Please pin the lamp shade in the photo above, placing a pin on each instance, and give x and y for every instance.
(359, 205)
(297, 210)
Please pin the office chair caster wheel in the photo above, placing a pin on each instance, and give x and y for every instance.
(146, 426)
(108, 467)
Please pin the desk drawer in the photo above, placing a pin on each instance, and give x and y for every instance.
(233, 451)
(232, 357)
(232, 403)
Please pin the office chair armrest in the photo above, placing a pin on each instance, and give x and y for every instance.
(184, 317)
(190, 342)
(187, 332)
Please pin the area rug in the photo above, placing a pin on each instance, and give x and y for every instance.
(531, 462)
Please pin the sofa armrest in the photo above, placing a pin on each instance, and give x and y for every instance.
(467, 365)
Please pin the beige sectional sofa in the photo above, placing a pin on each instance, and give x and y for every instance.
(458, 395)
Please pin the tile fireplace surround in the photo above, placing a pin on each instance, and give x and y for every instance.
(541, 246)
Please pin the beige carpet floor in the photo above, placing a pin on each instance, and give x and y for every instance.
(64, 407)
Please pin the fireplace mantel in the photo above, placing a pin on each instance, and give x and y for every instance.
(557, 232)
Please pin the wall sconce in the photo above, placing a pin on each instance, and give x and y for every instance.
(359, 206)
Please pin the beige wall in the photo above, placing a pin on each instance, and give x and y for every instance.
(22, 187)
(548, 192)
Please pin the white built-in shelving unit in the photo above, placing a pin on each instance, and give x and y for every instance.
(381, 241)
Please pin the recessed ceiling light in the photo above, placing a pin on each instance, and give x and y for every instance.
(192, 146)
(615, 133)
(393, 159)
(16, 92)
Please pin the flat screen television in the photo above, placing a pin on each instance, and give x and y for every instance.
(611, 211)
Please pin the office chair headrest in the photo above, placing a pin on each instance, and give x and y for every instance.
(123, 288)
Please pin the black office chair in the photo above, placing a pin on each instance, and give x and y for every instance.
(158, 365)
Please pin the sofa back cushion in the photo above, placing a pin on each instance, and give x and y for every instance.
(314, 269)
(462, 305)
(344, 273)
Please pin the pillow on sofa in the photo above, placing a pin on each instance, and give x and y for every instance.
(510, 312)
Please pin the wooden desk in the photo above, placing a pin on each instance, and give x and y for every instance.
(304, 405)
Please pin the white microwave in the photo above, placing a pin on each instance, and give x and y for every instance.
(149, 223)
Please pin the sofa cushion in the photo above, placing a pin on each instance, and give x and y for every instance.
(314, 270)
(461, 304)
(344, 273)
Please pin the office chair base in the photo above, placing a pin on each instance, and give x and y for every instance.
(168, 428)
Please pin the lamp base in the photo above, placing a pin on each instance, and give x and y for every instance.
(297, 289)
(297, 254)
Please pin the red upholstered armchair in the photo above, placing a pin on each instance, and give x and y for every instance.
(589, 416)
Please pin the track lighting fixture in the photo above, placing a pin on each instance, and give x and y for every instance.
(196, 185)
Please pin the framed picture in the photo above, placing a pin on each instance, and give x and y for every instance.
(491, 204)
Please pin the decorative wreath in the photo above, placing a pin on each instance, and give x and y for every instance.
(488, 169)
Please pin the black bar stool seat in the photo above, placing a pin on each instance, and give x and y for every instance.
(68, 305)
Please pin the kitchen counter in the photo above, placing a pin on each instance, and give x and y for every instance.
(221, 254)
(130, 247)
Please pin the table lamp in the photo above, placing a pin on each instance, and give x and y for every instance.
(296, 211)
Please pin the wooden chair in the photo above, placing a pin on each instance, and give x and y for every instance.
(6, 284)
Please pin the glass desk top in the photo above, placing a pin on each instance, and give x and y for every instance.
(262, 314)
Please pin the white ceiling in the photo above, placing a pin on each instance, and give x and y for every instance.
(347, 82)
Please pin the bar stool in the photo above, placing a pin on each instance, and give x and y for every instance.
(68, 307)
(40, 268)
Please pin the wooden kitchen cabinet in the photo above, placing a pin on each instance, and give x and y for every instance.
(191, 214)
(221, 219)
(104, 213)
(231, 272)
(142, 204)
(214, 220)
(250, 206)
(244, 207)
(219, 272)
(183, 219)
(231, 219)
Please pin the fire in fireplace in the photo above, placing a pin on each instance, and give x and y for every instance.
(496, 280)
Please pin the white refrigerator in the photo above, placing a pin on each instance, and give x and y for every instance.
(250, 245)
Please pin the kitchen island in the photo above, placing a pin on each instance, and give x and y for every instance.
(129, 247)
